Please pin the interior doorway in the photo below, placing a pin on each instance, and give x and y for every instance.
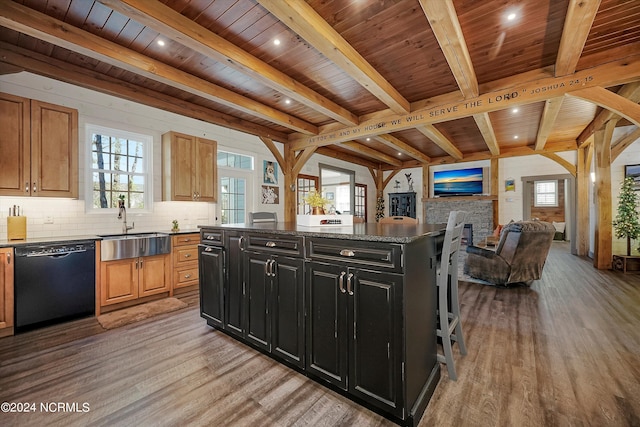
(552, 198)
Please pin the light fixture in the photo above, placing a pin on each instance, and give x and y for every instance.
(515, 110)
(160, 42)
(368, 139)
(287, 101)
(511, 16)
(515, 137)
(593, 177)
(276, 42)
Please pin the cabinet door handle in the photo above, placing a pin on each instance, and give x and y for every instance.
(347, 252)
(194, 196)
(270, 244)
(34, 187)
(8, 259)
(349, 288)
(26, 187)
(266, 267)
(271, 269)
(136, 264)
(240, 243)
(341, 282)
(140, 263)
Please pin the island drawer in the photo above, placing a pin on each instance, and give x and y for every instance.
(374, 255)
(212, 237)
(275, 244)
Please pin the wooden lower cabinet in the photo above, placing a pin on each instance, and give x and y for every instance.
(133, 278)
(6, 291)
(185, 260)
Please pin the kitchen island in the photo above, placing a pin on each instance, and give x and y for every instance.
(352, 307)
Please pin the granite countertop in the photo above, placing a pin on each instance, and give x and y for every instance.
(393, 233)
(72, 238)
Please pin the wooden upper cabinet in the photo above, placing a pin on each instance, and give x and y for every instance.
(39, 145)
(188, 168)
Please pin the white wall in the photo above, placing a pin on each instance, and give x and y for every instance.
(69, 216)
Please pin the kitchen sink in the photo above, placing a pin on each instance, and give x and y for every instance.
(121, 246)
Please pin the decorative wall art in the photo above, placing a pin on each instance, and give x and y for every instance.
(510, 184)
(270, 195)
(270, 173)
(634, 172)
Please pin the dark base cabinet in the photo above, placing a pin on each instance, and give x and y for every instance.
(356, 315)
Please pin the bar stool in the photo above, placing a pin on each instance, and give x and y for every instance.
(448, 305)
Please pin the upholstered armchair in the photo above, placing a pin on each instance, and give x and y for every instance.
(519, 256)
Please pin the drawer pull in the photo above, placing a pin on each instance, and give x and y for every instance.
(270, 244)
(188, 239)
(347, 252)
(210, 237)
(187, 255)
(208, 250)
(187, 276)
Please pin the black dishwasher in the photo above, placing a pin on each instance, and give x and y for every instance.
(54, 282)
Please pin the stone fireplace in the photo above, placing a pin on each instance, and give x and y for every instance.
(480, 214)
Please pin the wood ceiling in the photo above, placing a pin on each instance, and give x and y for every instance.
(386, 84)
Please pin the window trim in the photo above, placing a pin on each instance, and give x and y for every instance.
(146, 139)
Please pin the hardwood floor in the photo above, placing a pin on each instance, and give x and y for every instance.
(565, 351)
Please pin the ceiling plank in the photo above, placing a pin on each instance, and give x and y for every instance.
(43, 27)
(619, 146)
(611, 101)
(396, 144)
(549, 114)
(440, 140)
(308, 24)
(83, 77)
(443, 19)
(368, 151)
(515, 92)
(577, 25)
(177, 27)
(486, 128)
(630, 91)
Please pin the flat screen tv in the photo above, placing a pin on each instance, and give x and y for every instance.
(457, 182)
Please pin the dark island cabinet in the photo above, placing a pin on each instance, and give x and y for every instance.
(354, 328)
(211, 272)
(274, 304)
(234, 296)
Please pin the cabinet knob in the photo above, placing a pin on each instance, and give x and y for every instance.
(187, 276)
(187, 255)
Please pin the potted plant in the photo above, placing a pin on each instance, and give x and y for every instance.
(627, 222)
(316, 201)
(175, 227)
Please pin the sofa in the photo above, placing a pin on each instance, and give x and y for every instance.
(519, 255)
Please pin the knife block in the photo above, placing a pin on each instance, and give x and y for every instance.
(16, 227)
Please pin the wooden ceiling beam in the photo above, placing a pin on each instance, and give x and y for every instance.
(547, 121)
(308, 24)
(620, 145)
(562, 162)
(59, 70)
(486, 129)
(43, 27)
(440, 140)
(443, 19)
(631, 91)
(370, 152)
(611, 101)
(577, 25)
(403, 147)
(183, 30)
(326, 151)
(517, 92)
(276, 154)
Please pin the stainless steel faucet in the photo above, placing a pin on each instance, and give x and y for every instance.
(122, 214)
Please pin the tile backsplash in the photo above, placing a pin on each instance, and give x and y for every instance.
(53, 217)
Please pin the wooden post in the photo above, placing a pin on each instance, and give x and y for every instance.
(290, 185)
(583, 177)
(602, 254)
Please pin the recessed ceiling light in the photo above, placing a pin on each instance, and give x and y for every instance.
(399, 154)
(515, 110)
(515, 137)
(161, 42)
(511, 16)
(276, 42)
(368, 139)
(287, 101)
